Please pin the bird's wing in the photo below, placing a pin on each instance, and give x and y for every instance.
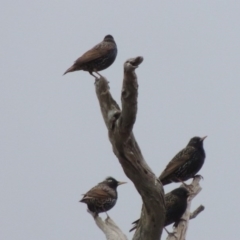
(96, 52)
(181, 158)
(97, 193)
(169, 200)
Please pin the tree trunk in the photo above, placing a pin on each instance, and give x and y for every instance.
(120, 125)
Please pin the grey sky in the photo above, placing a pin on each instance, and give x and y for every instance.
(54, 144)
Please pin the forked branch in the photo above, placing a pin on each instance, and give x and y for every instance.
(120, 124)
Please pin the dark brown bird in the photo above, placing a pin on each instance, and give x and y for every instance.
(98, 58)
(176, 204)
(186, 163)
(102, 197)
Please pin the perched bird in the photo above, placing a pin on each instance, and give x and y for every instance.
(186, 163)
(98, 58)
(176, 204)
(102, 197)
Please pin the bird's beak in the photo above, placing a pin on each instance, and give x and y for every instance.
(203, 138)
(120, 183)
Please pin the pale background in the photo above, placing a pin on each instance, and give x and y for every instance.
(54, 144)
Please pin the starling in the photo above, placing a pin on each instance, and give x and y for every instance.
(98, 58)
(186, 163)
(176, 204)
(102, 197)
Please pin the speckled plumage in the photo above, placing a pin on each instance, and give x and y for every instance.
(186, 163)
(102, 197)
(98, 58)
(176, 204)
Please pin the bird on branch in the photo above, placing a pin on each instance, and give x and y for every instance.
(98, 58)
(103, 196)
(176, 204)
(186, 163)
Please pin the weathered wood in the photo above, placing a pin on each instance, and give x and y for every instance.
(109, 228)
(180, 232)
(120, 124)
(197, 211)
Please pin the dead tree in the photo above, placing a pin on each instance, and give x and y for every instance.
(119, 123)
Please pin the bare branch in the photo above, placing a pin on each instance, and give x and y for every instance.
(179, 233)
(197, 211)
(109, 228)
(109, 108)
(120, 125)
(129, 94)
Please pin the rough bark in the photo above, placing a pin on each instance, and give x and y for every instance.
(120, 124)
(180, 232)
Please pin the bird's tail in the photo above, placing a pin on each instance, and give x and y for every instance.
(165, 181)
(135, 225)
(71, 69)
(81, 200)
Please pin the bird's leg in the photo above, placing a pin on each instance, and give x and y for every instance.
(107, 215)
(184, 184)
(105, 212)
(93, 75)
(94, 214)
(188, 187)
(98, 73)
(170, 233)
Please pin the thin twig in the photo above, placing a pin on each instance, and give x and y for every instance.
(197, 211)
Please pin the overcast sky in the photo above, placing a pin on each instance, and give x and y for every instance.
(54, 144)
